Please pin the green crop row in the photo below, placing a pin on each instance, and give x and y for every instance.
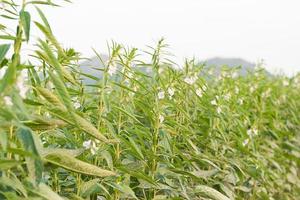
(143, 128)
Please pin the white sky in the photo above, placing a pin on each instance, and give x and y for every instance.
(250, 29)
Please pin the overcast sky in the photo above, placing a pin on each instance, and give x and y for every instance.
(250, 29)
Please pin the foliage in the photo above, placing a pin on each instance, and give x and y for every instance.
(148, 129)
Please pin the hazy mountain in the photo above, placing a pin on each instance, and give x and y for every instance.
(88, 66)
(218, 63)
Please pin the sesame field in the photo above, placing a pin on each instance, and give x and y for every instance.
(142, 127)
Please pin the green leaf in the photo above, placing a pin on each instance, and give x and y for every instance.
(205, 173)
(7, 164)
(3, 50)
(125, 190)
(210, 192)
(62, 91)
(66, 161)
(10, 74)
(3, 140)
(86, 126)
(89, 187)
(47, 193)
(51, 59)
(34, 165)
(43, 17)
(75, 197)
(7, 37)
(9, 17)
(13, 183)
(50, 97)
(48, 33)
(70, 152)
(25, 19)
(134, 148)
(128, 114)
(10, 195)
(138, 175)
(44, 124)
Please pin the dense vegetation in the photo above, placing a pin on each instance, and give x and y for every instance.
(172, 132)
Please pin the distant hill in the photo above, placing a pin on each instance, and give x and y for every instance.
(88, 66)
(231, 62)
(216, 62)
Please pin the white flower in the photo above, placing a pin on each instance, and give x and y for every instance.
(285, 83)
(161, 95)
(94, 149)
(252, 88)
(277, 102)
(76, 105)
(148, 70)
(47, 115)
(258, 66)
(100, 197)
(234, 75)
(126, 81)
(245, 142)
(7, 101)
(213, 102)
(283, 98)
(249, 132)
(171, 92)
(255, 131)
(187, 80)
(241, 101)
(219, 110)
(21, 85)
(227, 96)
(130, 75)
(266, 93)
(161, 118)
(224, 74)
(237, 90)
(160, 70)
(199, 92)
(296, 81)
(89, 144)
(49, 85)
(190, 80)
(112, 69)
(252, 132)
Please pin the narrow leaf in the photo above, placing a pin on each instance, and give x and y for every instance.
(210, 192)
(66, 161)
(3, 50)
(26, 19)
(34, 165)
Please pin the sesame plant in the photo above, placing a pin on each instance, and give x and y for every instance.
(147, 129)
